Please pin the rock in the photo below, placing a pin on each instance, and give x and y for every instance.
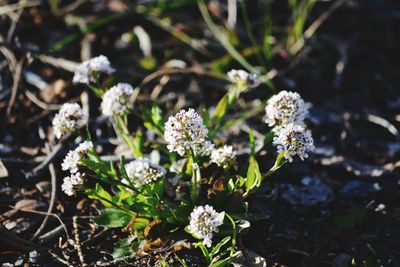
(312, 192)
(356, 189)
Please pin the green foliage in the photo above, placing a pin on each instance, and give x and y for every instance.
(113, 218)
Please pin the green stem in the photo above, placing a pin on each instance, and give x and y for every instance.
(196, 177)
(123, 131)
(279, 162)
(234, 233)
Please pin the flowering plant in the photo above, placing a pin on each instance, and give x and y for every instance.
(186, 186)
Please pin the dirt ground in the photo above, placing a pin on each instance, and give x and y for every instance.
(339, 208)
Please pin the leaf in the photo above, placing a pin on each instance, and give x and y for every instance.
(113, 218)
(123, 248)
(221, 108)
(100, 194)
(218, 246)
(349, 220)
(204, 250)
(253, 175)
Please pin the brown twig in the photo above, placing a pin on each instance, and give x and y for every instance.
(52, 196)
(17, 79)
(77, 240)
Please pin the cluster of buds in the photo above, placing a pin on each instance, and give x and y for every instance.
(186, 131)
(242, 79)
(89, 69)
(116, 99)
(72, 183)
(286, 112)
(141, 172)
(70, 118)
(223, 156)
(204, 222)
(294, 140)
(71, 163)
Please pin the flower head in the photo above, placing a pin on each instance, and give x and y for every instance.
(285, 108)
(242, 78)
(69, 118)
(115, 100)
(223, 156)
(186, 130)
(294, 140)
(204, 221)
(71, 183)
(74, 157)
(85, 71)
(142, 171)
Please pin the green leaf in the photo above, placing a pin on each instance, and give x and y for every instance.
(113, 218)
(221, 108)
(100, 194)
(253, 175)
(124, 248)
(204, 250)
(218, 246)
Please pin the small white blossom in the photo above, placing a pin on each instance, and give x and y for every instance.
(115, 100)
(142, 171)
(242, 78)
(285, 108)
(186, 130)
(71, 183)
(223, 156)
(84, 71)
(294, 140)
(69, 118)
(74, 157)
(204, 221)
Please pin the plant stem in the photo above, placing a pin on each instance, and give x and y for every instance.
(234, 234)
(196, 177)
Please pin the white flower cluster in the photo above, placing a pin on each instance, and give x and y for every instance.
(115, 100)
(71, 183)
(142, 171)
(73, 158)
(286, 108)
(242, 78)
(223, 156)
(85, 71)
(294, 140)
(204, 221)
(186, 130)
(69, 118)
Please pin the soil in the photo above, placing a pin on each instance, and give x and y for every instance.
(348, 70)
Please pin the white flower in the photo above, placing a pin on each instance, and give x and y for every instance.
(70, 117)
(204, 221)
(285, 108)
(186, 131)
(242, 78)
(74, 157)
(223, 156)
(115, 100)
(85, 71)
(294, 140)
(71, 183)
(142, 171)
